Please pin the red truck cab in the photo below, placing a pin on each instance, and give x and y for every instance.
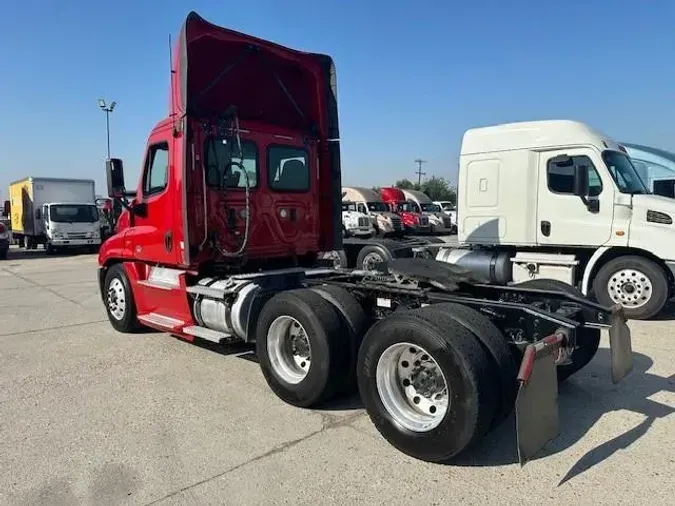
(413, 220)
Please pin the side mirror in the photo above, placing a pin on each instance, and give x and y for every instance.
(115, 175)
(7, 209)
(581, 180)
(38, 214)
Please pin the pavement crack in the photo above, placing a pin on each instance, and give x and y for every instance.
(58, 327)
(48, 289)
(328, 421)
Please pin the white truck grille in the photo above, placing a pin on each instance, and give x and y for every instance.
(364, 222)
(396, 222)
(424, 221)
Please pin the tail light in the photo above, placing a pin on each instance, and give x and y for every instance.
(3, 228)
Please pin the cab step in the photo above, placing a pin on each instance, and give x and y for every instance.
(215, 336)
(159, 320)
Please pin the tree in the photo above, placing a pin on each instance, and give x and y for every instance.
(438, 188)
(406, 184)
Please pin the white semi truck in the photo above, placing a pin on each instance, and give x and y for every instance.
(370, 203)
(558, 199)
(356, 223)
(55, 212)
(439, 222)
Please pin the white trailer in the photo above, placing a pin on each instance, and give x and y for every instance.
(558, 199)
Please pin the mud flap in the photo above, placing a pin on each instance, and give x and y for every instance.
(537, 402)
(620, 346)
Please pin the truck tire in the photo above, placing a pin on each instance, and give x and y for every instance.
(635, 282)
(497, 349)
(443, 406)
(300, 346)
(588, 340)
(119, 300)
(371, 255)
(356, 321)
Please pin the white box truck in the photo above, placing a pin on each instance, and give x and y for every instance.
(558, 199)
(57, 213)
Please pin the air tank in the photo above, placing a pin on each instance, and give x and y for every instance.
(492, 265)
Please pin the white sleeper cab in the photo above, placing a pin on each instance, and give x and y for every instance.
(558, 199)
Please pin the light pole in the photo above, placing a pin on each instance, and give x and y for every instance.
(107, 109)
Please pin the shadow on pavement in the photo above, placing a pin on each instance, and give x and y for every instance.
(583, 399)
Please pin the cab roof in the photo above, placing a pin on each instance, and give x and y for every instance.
(534, 135)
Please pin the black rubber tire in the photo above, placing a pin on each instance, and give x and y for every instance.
(588, 340)
(656, 275)
(129, 323)
(497, 349)
(357, 323)
(372, 248)
(326, 331)
(467, 371)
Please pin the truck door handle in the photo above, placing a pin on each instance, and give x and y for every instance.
(168, 242)
(546, 228)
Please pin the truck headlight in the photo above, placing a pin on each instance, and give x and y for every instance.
(57, 235)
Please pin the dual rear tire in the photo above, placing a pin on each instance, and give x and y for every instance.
(433, 380)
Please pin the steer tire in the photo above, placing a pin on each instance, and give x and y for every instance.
(467, 371)
(658, 295)
(357, 324)
(129, 321)
(588, 340)
(372, 250)
(325, 330)
(497, 349)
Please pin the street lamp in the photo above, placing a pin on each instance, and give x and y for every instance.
(107, 109)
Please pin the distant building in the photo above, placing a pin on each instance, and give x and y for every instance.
(652, 164)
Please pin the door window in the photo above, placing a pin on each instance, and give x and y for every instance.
(157, 169)
(560, 178)
(287, 168)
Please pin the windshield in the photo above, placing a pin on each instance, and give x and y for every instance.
(431, 208)
(348, 206)
(377, 207)
(623, 172)
(73, 213)
(407, 207)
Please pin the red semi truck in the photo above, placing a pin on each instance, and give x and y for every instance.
(413, 221)
(232, 236)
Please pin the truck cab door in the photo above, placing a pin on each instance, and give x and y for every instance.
(150, 235)
(563, 218)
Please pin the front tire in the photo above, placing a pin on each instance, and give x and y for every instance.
(634, 282)
(426, 383)
(119, 300)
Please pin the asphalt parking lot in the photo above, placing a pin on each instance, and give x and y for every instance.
(90, 416)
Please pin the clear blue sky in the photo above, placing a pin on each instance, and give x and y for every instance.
(412, 76)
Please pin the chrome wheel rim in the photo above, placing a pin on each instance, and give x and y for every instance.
(117, 302)
(412, 387)
(630, 287)
(371, 260)
(289, 349)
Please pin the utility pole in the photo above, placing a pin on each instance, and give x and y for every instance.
(107, 109)
(419, 172)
